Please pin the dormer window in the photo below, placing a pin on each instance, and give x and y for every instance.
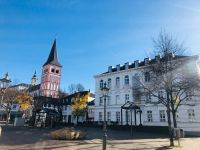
(157, 58)
(126, 66)
(146, 61)
(110, 69)
(118, 67)
(136, 63)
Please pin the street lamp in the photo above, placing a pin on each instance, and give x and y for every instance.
(105, 91)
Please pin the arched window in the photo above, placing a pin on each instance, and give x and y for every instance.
(147, 76)
(117, 82)
(126, 80)
(109, 83)
(101, 84)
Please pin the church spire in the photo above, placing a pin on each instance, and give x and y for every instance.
(53, 56)
(34, 79)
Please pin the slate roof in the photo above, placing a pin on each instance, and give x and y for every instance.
(34, 88)
(5, 80)
(151, 61)
(53, 57)
(21, 84)
(68, 99)
(91, 103)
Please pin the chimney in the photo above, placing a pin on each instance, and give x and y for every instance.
(118, 67)
(136, 63)
(110, 69)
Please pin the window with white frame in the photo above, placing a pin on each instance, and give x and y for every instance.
(126, 80)
(117, 82)
(160, 94)
(117, 99)
(117, 116)
(90, 111)
(147, 77)
(162, 116)
(108, 116)
(126, 98)
(100, 116)
(108, 100)
(109, 83)
(191, 115)
(189, 95)
(101, 84)
(149, 116)
(148, 97)
(100, 101)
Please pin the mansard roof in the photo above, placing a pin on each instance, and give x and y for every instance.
(151, 61)
(53, 57)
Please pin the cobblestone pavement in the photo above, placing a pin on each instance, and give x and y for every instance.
(38, 139)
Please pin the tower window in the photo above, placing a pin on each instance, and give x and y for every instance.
(52, 70)
(46, 70)
(57, 71)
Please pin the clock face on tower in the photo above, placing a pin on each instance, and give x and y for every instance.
(51, 75)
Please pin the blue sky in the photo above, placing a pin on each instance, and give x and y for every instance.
(91, 34)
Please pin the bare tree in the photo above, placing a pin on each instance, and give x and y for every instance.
(8, 98)
(167, 77)
(80, 87)
(72, 88)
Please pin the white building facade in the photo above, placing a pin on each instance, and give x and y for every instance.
(120, 81)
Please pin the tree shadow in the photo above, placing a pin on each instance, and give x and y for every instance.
(164, 148)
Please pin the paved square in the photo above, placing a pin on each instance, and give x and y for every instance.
(38, 139)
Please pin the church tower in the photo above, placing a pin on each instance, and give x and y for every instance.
(34, 79)
(51, 75)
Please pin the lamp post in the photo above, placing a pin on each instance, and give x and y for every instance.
(105, 91)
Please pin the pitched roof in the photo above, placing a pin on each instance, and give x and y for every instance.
(34, 88)
(53, 58)
(68, 99)
(21, 84)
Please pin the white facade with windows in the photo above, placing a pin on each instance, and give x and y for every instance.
(120, 81)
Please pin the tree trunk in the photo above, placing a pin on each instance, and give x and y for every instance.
(7, 117)
(174, 117)
(173, 111)
(169, 122)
